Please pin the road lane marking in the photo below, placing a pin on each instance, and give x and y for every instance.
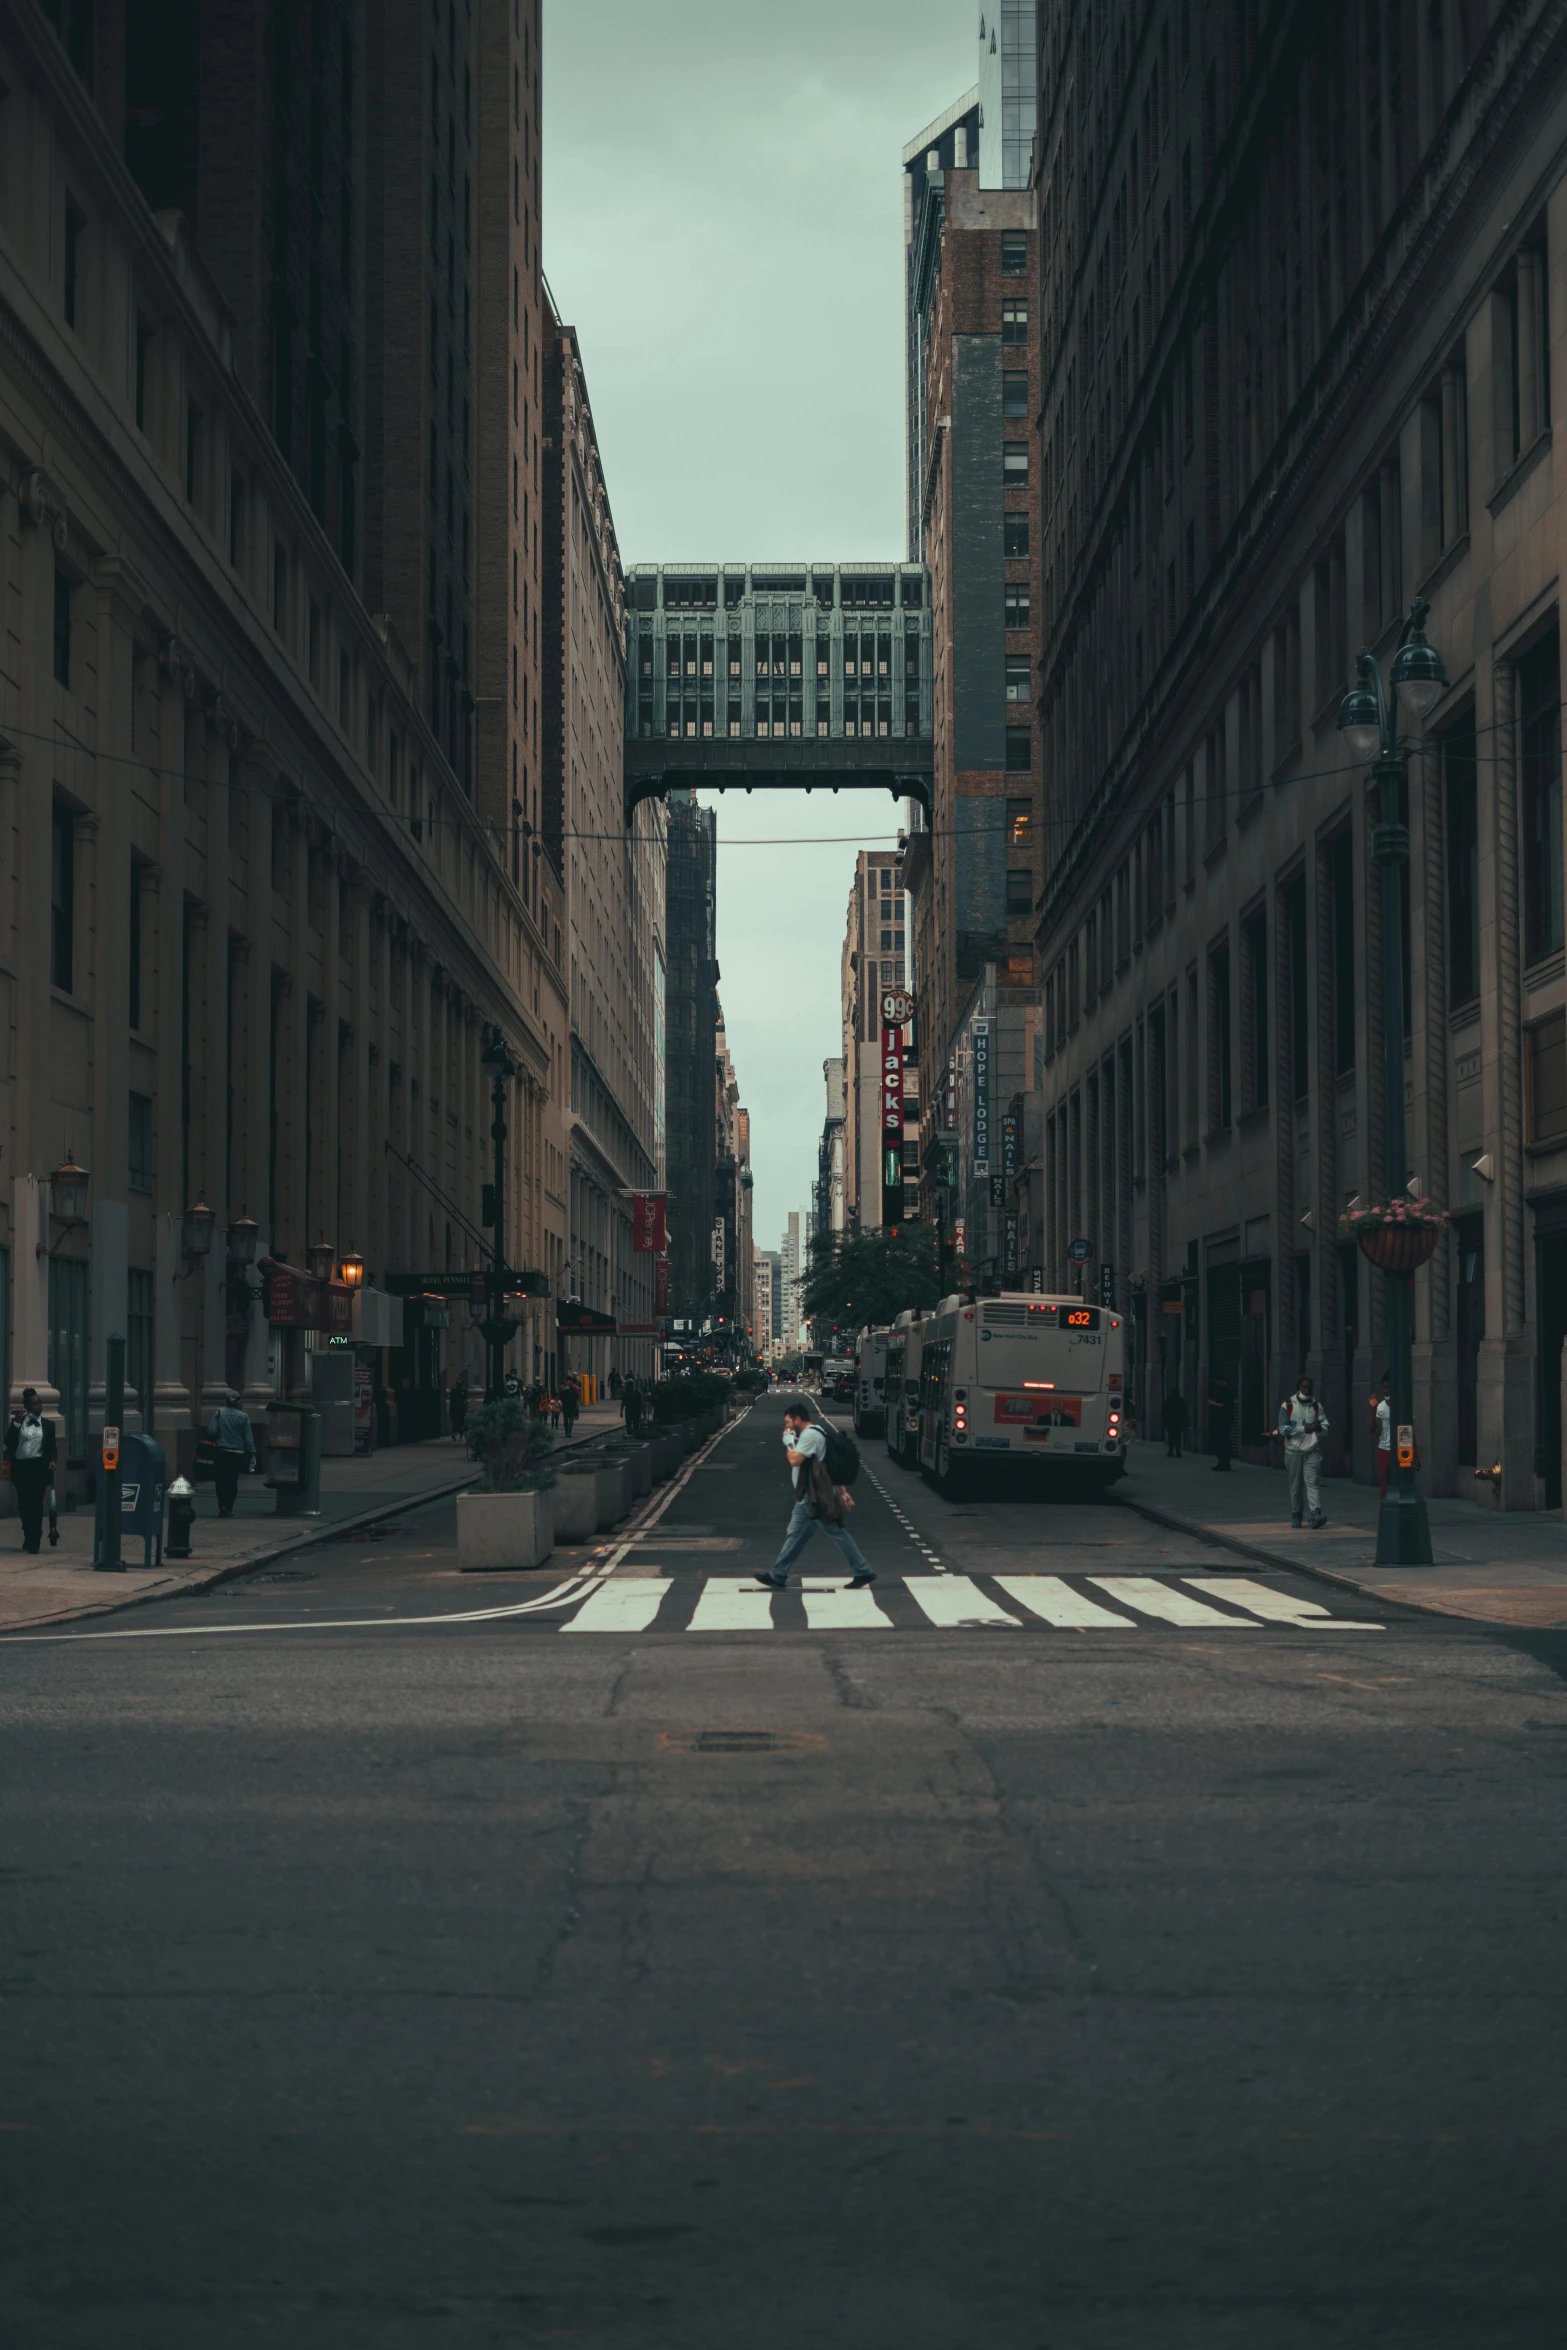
(1276, 1607)
(832, 1607)
(627, 1606)
(728, 1605)
(1153, 1598)
(955, 1604)
(1060, 1604)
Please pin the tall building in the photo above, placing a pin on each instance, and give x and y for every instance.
(873, 960)
(1301, 294)
(829, 1206)
(614, 877)
(769, 1303)
(791, 1267)
(691, 1023)
(733, 1243)
(973, 868)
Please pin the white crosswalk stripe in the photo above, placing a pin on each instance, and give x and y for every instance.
(945, 1603)
(954, 1603)
(1169, 1602)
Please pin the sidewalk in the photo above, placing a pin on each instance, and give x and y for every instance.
(1492, 1567)
(58, 1584)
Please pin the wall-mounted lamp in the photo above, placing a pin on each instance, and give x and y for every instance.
(351, 1271)
(323, 1256)
(68, 1187)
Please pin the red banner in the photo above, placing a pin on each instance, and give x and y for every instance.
(649, 1223)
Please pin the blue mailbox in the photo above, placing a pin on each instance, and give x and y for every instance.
(143, 1473)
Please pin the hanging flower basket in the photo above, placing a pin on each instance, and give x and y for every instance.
(1398, 1234)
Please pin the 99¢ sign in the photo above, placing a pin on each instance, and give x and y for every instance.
(897, 1008)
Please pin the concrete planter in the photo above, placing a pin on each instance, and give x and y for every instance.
(639, 1459)
(668, 1452)
(614, 1493)
(501, 1530)
(576, 1504)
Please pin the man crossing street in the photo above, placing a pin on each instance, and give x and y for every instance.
(819, 1505)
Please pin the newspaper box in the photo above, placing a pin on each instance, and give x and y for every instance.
(294, 1459)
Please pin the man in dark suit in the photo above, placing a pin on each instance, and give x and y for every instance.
(29, 1460)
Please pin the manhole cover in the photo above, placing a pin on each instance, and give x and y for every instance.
(740, 1741)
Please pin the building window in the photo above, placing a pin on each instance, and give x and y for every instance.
(75, 224)
(1015, 597)
(1545, 1059)
(1014, 252)
(1293, 904)
(63, 593)
(133, 990)
(1014, 537)
(1014, 465)
(141, 1142)
(1020, 891)
(1540, 791)
(62, 909)
(1254, 948)
(1019, 672)
(1020, 750)
(1219, 1068)
(1014, 322)
(1020, 823)
(1461, 802)
(1341, 862)
(1014, 395)
(139, 1339)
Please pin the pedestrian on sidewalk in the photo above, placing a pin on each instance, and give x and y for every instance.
(1382, 1422)
(819, 1505)
(1174, 1417)
(632, 1407)
(1303, 1424)
(233, 1442)
(570, 1405)
(615, 1385)
(29, 1461)
(554, 1409)
(1220, 1409)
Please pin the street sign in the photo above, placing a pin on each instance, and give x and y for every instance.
(1079, 1251)
(980, 1063)
(998, 1191)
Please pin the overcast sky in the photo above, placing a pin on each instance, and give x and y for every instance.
(723, 225)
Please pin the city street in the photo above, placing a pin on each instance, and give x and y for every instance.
(1008, 1955)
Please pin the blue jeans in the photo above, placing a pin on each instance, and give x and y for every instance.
(800, 1529)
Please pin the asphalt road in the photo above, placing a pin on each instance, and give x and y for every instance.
(384, 1968)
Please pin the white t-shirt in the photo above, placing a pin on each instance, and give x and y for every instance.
(1384, 1425)
(30, 1442)
(812, 1442)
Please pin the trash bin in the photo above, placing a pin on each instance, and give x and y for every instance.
(294, 1459)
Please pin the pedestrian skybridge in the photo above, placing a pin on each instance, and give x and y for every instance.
(778, 677)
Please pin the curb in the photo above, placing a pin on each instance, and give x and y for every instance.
(1284, 1566)
(247, 1566)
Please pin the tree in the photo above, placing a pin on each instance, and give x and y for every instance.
(860, 1280)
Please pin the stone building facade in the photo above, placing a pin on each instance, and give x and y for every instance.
(874, 958)
(691, 1023)
(1303, 275)
(614, 879)
(252, 924)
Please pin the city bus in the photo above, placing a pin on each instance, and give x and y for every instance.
(902, 1387)
(870, 1382)
(1023, 1378)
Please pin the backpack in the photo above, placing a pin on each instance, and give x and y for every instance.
(842, 1457)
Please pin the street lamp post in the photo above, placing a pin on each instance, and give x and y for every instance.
(1368, 720)
(498, 1328)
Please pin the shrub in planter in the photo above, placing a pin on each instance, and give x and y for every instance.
(511, 1446)
(1396, 1234)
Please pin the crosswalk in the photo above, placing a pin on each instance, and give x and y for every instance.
(950, 1603)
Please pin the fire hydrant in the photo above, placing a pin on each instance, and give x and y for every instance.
(182, 1516)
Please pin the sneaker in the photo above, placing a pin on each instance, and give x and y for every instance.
(1295, 1522)
(858, 1582)
(772, 1582)
(1316, 1522)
